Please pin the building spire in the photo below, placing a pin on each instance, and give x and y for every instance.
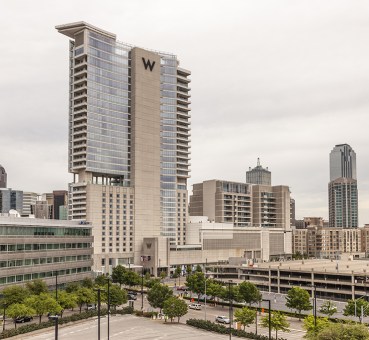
(258, 162)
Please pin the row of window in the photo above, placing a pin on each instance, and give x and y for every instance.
(43, 260)
(43, 231)
(41, 246)
(42, 275)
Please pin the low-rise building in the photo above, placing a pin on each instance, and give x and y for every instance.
(215, 243)
(43, 249)
(336, 280)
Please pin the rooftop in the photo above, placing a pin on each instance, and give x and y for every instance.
(322, 266)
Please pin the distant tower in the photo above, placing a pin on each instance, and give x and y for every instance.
(2, 177)
(342, 162)
(342, 188)
(259, 175)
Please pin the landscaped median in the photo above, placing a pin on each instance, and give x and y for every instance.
(75, 317)
(213, 327)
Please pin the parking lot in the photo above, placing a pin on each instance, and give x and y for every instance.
(126, 327)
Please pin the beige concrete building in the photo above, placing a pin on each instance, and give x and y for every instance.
(213, 242)
(327, 243)
(222, 202)
(242, 204)
(129, 143)
(33, 248)
(271, 206)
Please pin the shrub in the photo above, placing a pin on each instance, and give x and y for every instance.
(75, 317)
(214, 327)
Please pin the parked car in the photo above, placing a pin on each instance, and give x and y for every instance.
(22, 319)
(184, 288)
(91, 306)
(131, 297)
(222, 319)
(131, 292)
(196, 306)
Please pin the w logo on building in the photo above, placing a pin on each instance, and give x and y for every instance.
(148, 64)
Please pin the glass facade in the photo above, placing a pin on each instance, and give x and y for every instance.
(108, 123)
(168, 140)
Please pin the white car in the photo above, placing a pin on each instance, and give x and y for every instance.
(196, 306)
(222, 319)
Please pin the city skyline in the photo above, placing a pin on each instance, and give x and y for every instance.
(295, 77)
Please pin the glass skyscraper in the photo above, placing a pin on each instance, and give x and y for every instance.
(129, 136)
(342, 188)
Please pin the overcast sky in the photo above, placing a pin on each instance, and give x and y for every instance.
(281, 80)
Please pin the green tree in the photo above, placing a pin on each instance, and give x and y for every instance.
(175, 308)
(245, 316)
(100, 280)
(87, 282)
(214, 289)
(196, 283)
(163, 274)
(151, 282)
(17, 310)
(198, 269)
(298, 299)
(118, 274)
(278, 322)
(118, 296)
(36, 287)
(158, 294)
(338, 331)
(131, 278)
(84, 295)
(188, 269)
(72, 287)
(328, 308)
(178, 273)
(249, 292)
(14, 294)
(43, 304)
(66, 301)
(311, 329)
(358, 307)
(231, 293)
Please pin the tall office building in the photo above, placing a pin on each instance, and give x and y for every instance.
(342, 162)
(129, 136)
(11, 200)
(259, 175)
(3, 183)
(342, 188)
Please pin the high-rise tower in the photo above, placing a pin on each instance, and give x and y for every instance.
(259, 175)
(342, 162)
(3, 183)
(129, 136)
(342, 188)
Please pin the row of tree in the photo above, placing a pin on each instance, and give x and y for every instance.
(35, 299)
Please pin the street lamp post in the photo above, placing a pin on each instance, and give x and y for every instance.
(56, 285)
(269, 318)
(314, 308)
(98, 311)
(56, 319)
(230, 309)
(142, 282)
(206, 263)
(108, 307)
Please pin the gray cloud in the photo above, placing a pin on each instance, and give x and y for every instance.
(284, 80)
